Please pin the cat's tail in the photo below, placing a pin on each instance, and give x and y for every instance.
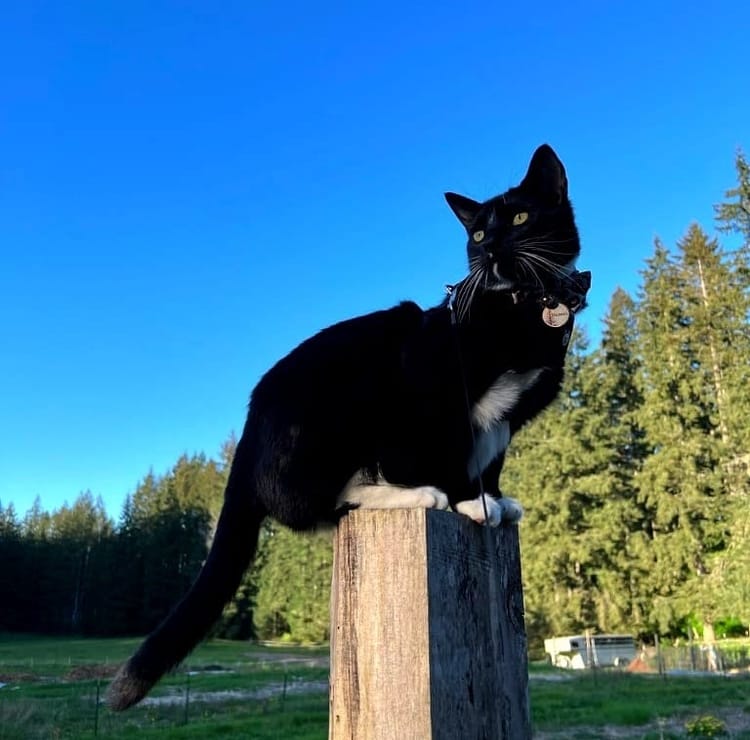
(233, 547)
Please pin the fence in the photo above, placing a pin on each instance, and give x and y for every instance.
(728, 658)
(62, 698)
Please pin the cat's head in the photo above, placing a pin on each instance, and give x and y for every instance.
(526, 237)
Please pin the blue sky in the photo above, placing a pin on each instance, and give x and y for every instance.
(190, 189)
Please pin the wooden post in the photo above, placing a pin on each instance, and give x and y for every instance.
(427, 633)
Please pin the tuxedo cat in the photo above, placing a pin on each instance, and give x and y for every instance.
(398, 408)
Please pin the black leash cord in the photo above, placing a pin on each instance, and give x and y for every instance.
(462, 372)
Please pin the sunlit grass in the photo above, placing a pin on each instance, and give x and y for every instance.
(581, 699)
(46, 703)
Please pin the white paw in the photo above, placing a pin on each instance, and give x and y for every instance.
(512, 509)
(385, 496)
(434, 498)
(491, 511)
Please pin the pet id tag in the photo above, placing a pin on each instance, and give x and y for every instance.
(557, 316)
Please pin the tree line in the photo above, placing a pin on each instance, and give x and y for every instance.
(75, 571)
(636, 484)
(637, 481)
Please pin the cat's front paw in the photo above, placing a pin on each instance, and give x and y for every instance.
(512, 509)
(488, 510)
(434, 498)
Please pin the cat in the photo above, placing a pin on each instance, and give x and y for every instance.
(399, 408)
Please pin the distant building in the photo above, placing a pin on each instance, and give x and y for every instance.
(590, 651)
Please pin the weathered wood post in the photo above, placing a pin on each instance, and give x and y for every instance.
(427, 632)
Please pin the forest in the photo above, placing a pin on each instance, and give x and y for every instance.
(636, 485)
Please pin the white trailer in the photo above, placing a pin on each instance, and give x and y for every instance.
(587, 651)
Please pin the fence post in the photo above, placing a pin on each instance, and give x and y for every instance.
(96, 708)
(427, 632)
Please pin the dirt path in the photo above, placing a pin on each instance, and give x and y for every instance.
(309, 661)
(267, 692)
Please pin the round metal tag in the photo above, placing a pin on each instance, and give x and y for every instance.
(557, 316)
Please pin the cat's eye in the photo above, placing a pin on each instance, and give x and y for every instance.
(477, 236)
(520, 218)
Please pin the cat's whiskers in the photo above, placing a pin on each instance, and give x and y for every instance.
(544, 262)
(544, 239)
(546, 246)
(525, 269)
(468, 290)
(539, 249)
(528, 265)
(537, 258)
(469, 287)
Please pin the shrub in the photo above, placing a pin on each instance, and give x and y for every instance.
(730, 627)
(706, 726)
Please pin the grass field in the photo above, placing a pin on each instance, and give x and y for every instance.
(233, 690)
(578, 704)
(236, 690)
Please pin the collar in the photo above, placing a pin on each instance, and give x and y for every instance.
(570, 292)
(567, 296)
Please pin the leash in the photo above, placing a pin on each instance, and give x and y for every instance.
(558, 308)
(451, 289)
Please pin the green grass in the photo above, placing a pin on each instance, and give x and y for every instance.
(73, 716)
(591, 701)
(55, 656)
(46, 703)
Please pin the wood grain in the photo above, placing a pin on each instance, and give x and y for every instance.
(427, 633)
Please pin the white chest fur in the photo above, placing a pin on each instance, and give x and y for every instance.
(489, 417)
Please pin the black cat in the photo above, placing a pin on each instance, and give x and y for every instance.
(399, 408)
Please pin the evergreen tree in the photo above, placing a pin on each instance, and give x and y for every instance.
(719, 322)
(294, 585)
(197, 483)
(547, 467)
(76, 534)
(37, 599)
(11, 568)
(734, 215)
(37, 522)
(125, 588)
(9, 524)
(614, 521)
(686, 325)
(144, 501)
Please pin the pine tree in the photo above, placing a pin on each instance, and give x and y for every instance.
(36, 522)
(547, 467)
(719, 322)
(125, 559)
(734, 215)
(294, 583)
(614, 520)
(689, 330)
(144, 501)
(169, 529)
(11, 571)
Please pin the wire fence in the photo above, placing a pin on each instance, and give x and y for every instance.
(697, 658)
(64, 698)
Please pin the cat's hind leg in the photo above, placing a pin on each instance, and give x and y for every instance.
(492, 511)
(384, 495)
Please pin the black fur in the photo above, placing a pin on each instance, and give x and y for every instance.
(382, 395)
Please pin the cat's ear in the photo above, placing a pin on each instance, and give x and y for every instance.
(546, 177)
(465, 208)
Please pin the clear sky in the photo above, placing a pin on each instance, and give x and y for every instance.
(189, 189)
